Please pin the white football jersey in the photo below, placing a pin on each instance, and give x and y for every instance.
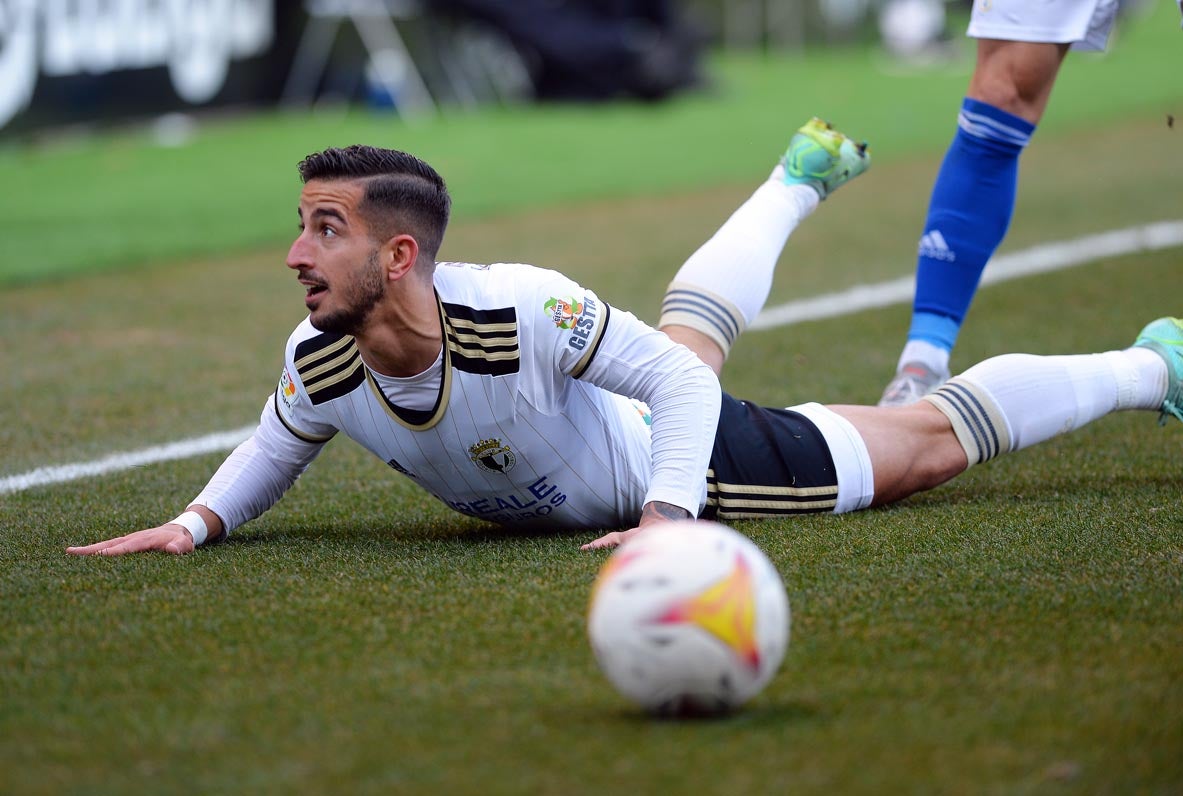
(530, 422)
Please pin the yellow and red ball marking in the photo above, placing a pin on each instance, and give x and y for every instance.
(726, 610)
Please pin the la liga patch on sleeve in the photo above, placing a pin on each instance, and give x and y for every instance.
(287, 388)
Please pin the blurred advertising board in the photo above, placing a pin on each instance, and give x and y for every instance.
(66, 62)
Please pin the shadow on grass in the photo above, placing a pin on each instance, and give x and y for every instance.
(460, 532)
(1014, 491)
(762, 713)
(1072, 488)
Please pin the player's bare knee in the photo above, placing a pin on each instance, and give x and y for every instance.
(706, 348)
(1016, 77)
(941, 459)
(1004, 92)
(706, 323)
(928, 455)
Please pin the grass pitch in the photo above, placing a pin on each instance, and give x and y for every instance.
(1017, 631)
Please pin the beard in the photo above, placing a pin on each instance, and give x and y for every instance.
(359, 298)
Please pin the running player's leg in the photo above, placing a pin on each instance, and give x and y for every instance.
(971, 205)
(723, 286)
(1020, 49)
(1012, 402)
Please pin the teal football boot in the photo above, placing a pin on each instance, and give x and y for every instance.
(823, 158)
(1165, 338)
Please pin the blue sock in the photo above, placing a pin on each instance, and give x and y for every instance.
(970, 209)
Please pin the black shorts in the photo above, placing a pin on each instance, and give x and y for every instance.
(768, 462)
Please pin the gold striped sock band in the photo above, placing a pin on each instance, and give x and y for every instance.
(703, 311)
(977, 420)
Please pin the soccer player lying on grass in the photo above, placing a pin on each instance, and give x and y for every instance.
(514, 395)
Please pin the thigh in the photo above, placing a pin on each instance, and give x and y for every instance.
(911, 448)
(1016, 76)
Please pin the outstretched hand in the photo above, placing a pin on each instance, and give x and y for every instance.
(651, 513)
(610, 540)
(169, 538)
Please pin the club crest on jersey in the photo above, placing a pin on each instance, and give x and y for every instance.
(287, 388)
(563, 312)
(490, 455)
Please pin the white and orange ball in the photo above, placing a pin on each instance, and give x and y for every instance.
(689, 618)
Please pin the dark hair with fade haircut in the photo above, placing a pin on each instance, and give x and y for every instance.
(403, 194)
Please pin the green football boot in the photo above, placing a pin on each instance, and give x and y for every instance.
(1165, 338)
(823, 158)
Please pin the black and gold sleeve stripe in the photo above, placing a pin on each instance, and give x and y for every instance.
(482, 341)
(329, 366)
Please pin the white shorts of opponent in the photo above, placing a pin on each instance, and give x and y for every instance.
(1085, 24)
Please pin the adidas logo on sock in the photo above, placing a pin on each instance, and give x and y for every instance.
(933, 246)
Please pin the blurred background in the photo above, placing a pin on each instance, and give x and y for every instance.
(158, 131)
(134, 119)
(106, 63)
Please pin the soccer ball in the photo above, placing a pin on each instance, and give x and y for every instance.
(689, 618)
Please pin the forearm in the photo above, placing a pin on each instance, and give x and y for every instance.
(683, 433)
(249, 482)
(656, 511)
(683, 397)
(254, 477)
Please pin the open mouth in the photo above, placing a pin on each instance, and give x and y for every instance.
(313, 290)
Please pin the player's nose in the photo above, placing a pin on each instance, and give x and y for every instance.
(299, 255)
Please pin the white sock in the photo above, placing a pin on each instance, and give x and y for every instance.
(1042, 397)
(738, 262)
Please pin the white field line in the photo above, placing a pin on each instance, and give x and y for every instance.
(195, 446)
(1036, 260)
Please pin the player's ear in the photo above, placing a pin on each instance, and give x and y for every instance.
(398, 255)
